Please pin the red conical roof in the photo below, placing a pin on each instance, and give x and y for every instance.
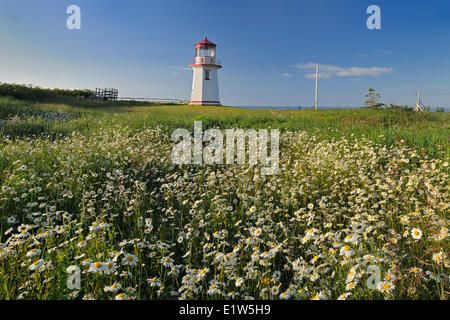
(205, 43)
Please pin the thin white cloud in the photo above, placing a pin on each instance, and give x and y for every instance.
(180, 68)
(286, 75)
(327, 71)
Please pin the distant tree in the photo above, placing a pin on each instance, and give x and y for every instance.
(371, 100)
(440, 109)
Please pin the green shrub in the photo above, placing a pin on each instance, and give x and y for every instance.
(30, 93)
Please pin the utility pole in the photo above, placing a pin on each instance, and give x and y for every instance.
(316, 103)
(419, 105)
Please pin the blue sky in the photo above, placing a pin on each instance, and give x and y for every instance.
(266, 46)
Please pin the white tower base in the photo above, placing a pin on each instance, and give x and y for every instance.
(205, 86)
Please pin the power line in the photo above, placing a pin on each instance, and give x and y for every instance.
(413, 92)
(436, 94)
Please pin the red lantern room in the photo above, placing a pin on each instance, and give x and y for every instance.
(205, 48)
(205, 54)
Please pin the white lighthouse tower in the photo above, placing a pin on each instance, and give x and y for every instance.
(205, 86)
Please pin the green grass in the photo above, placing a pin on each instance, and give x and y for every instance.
(428, 132)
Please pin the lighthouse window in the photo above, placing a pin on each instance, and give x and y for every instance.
(207, 75)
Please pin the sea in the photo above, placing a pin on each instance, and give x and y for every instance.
(446, 109)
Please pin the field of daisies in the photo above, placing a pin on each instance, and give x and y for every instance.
(343, 218)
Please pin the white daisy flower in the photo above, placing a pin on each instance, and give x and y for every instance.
(121, 296)
(416, 233)
(129, 259)
(33, 253)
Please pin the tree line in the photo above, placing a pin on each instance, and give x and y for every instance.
(372, 102)
(32, 93)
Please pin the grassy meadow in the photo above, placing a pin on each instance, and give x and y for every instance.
(358, 210)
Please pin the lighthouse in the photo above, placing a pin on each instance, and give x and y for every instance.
(205, 85)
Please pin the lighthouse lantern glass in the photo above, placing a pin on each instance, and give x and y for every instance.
(205, 52)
